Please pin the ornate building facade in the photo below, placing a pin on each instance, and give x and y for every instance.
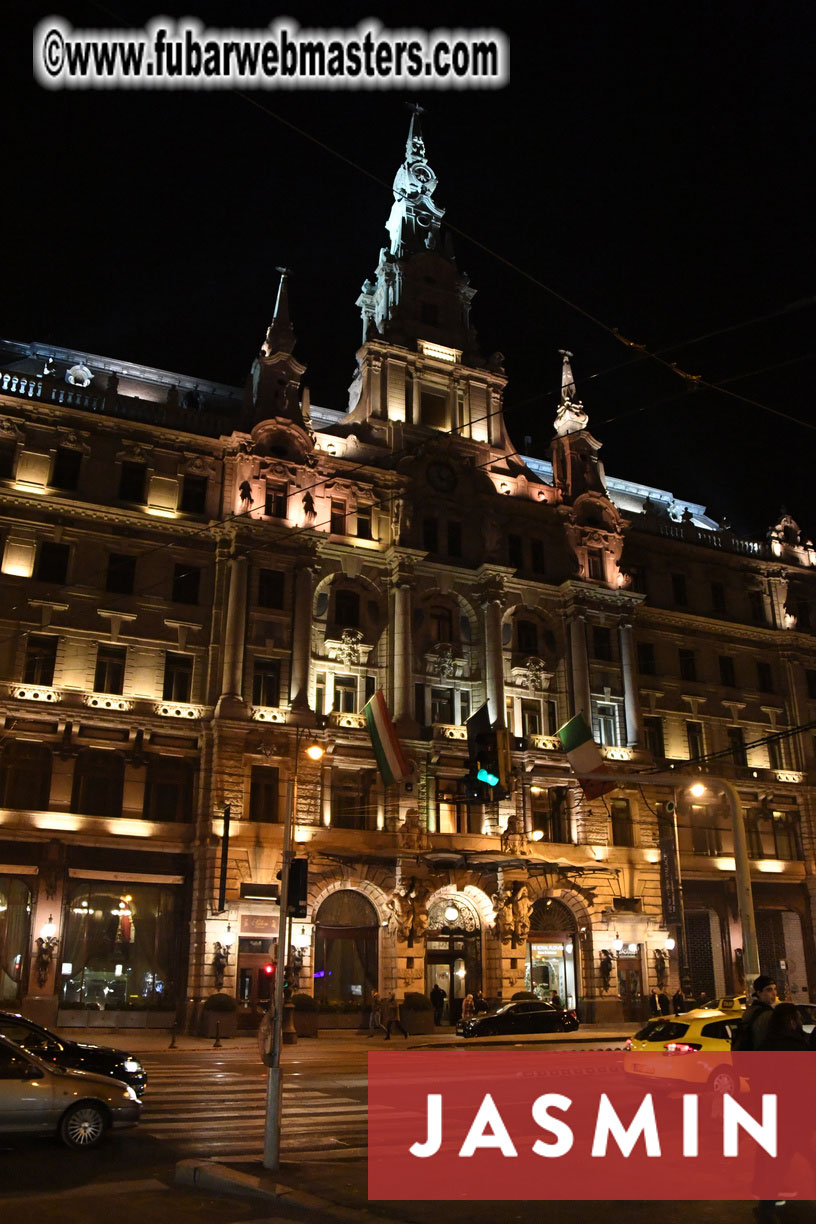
(195, 580)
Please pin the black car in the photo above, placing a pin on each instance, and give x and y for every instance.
(521, 1016)
(75, 1055)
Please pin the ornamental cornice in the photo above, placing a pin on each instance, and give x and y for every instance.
(55, 514)
(683, 622)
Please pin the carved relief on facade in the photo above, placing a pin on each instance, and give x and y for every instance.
(513, 840)
(512, 905)
(411, 834)
(407, 909)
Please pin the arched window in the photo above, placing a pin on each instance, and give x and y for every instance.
(98, 783)
(25, 776)
(346, 955)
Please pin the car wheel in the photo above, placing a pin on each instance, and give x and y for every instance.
(83, 1125)
(723, 1080)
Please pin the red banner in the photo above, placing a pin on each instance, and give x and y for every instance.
(487, 1125)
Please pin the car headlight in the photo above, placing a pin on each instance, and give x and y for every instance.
(130, 1094)
(132, 1065)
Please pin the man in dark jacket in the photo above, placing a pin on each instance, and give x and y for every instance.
(438, 996)
(754, 1027)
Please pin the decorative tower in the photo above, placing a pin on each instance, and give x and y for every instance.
(576, 466)
(272, 395)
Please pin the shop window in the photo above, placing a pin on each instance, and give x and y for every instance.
(109, 676)
(15, 935)
(345, 694)
(346, 609)
(440, 621)
(25, 778)
(264, 794)
(67, 463)
(275, 501)
(178, 676)
(430, 535)
(186, 583)
(364, 523)
(337, 521)
(40, 659)
(169, 789)
(266, 682)
(121, 574)
(623, 833)
(679, 591)
(653, 736)
(271, 588)
(602, 643)
(52, 562)
(727, 673)
(98, 783)
(193, 495)
(694, 738)
(647, 665)
(132, 480)
(688, 664)
(122, 946)
(442, 705)
(354, 804)
(527, 637)
(736, 745)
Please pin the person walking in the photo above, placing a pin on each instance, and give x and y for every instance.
(438, 997)
(392, 1017)
(375, 1020)
(754, 1027)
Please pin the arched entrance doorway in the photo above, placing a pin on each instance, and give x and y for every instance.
(552, 952)
(453, 951)
(346, 948)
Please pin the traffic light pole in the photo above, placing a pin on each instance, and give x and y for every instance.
(272, 1133)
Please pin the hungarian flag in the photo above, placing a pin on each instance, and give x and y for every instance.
(390, 759)
(585, 757)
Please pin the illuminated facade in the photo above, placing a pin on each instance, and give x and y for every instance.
(193, 577)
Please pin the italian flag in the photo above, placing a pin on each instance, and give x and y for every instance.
(584, 756)
(390, 759)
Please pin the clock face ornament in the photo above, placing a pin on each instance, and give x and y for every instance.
(441, 477)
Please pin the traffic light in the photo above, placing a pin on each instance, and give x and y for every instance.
(488, 755)
(298, 885)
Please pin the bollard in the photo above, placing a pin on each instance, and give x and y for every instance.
(217, 1042)
(172, 1044)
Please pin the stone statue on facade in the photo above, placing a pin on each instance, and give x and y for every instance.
(513, 840)
(521, 913)
(503, 905)
(411, 835)
(401, 912)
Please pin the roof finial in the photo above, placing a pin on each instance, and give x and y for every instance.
(415, 145)
(280, 335)
(570, 417)
(567, 380)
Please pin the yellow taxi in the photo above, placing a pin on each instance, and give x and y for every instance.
(692, 1048)
(732, 1004)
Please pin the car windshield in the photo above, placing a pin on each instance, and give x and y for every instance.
(662, 1030)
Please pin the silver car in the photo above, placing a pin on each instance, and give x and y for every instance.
(41, 1098)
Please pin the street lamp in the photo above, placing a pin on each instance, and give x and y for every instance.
(272, 1134)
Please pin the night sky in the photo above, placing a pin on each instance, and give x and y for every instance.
(648, 163)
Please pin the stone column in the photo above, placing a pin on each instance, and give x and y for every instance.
(494, 659)
(581, 702)
(634, 724)
(402, 651)
(301, 638)
(231, 702)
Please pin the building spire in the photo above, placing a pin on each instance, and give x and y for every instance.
(570, 417)
(415, 218)
(280, 335)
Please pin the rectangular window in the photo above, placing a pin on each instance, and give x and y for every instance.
(40, 658)
(679, 593)
(266, 682)
(552, 718)
(345, 694)
(787, 839)
(132, 479)
(271, 588)
(776, 759)
(705, 834)
(653, 736)
(638, 576)
(727, 674)
(454, 539)
(646, 659)
(320, 693)
(718, 604)
(346, 609)
(430, 535)
(602, 643)
(370, 687)
(364, 523)
(515, 551)
(765, 678)
(337, 519)
(7, 452)
(527, 637)
(353, 802)
(537, 556)
(275, 501)
(550, 813)
(121, 575)
(607, 728)
(67, 463)
(52, 562)
(441, 705)
(694, 738)
(441, 624)
(433, 408)
(621, 816)
(464, 707)
(186, 583)
(530, 717)
(688, 664)
(178, 676)
(595, 565)
(263, 794)
(193, 495)
(736, 742)
(419, 704)
(756, 607)
(109, 676)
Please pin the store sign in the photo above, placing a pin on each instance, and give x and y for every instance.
(259, 924)
(590, 1125)
(554, 949)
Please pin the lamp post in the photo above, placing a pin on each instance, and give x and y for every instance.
(272, 1130)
